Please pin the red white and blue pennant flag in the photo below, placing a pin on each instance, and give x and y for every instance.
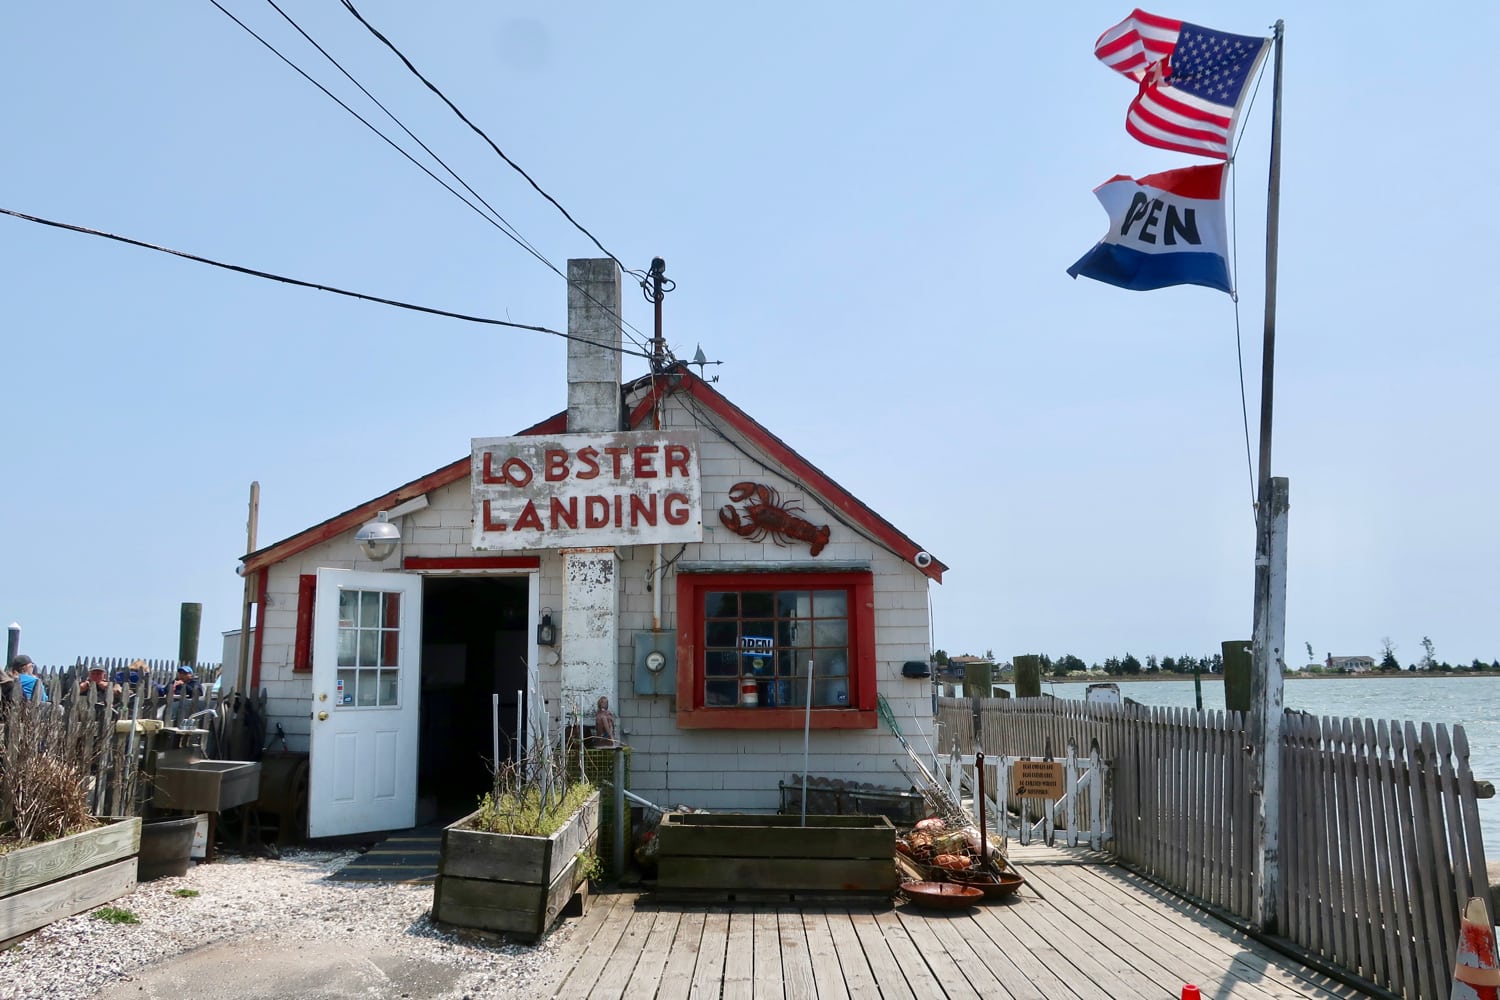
(1192, 80)
(1164, 229)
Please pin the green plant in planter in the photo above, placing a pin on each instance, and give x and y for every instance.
(590, 867)
(524, 811)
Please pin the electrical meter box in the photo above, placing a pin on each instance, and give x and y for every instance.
(656, 663)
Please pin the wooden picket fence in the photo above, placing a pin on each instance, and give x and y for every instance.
(104, 721)
(1380, 841)
(1079, 816)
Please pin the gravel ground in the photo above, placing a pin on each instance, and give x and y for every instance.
(266, 905)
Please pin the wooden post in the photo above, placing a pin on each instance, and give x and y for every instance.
(1028, 676)
(1236, 655)
(979, 680)
(190, 622)
(1266, 705)
(1270, 575)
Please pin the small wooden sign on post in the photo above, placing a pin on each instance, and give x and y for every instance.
(1038, 779)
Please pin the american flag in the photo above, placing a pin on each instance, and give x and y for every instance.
(1191, 78)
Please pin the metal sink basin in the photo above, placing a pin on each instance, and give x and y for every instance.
(206, 785)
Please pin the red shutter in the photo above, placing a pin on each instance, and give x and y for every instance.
(307, 590)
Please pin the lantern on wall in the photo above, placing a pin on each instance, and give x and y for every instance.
(546, 632)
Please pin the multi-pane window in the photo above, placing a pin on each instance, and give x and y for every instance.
(758, 646)
(369, 648)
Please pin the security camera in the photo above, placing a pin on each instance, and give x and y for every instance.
(922, 559)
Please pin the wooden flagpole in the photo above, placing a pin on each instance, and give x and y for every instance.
(1266, 696)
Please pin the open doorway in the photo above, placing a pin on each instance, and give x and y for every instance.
(474, 645)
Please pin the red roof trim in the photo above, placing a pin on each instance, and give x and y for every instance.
(676, 379)
(471, 562)
(354, 517)
(830, 491)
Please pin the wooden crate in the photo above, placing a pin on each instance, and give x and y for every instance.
(58, 878)
(775, 858)
(508, 882)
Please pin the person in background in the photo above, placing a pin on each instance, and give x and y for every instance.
(97, 685)
(24, 670)
(186, 685)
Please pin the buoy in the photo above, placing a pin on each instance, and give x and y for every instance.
(1190, 992)
(749, 694)
(1476, 974)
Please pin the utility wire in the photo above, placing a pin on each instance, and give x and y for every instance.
(511, 230)
(314, 285)
(478, 131)
(502, 224)
(634, 272)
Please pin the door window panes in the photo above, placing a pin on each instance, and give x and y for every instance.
(369, 649)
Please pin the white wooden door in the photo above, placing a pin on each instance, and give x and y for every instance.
(367, 638)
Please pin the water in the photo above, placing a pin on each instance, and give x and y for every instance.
(1472, 702)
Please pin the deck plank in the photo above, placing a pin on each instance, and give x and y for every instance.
(930, 970)
(1084, 929)
(859, 977)
(596, 948)
(713, 945)
(647, 975)
(822, 953)
(796, 962)
(884, 968)
(1203, 931)
(767, 937)
(739, 957)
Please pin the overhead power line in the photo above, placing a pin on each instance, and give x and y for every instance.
(493, 217)
(481, 133)
(253, 272)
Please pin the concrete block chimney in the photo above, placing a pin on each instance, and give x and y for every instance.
(594, 354)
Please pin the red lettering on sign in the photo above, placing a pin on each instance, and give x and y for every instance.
(616, 454)
(642, 508)
(515, 472)
(490, 524)
(595, 512)
(589, 459)
(619, 509)
(676, 459)
(556, 464)
(644, 455)
(564, 514)
(487, 476)
(675, 508)
(529, 518)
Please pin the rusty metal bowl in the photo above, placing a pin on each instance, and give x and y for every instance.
(991, 885)
(941, 895)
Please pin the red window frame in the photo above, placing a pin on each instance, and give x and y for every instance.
(691, 712)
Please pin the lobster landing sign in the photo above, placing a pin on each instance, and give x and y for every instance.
(580, 490)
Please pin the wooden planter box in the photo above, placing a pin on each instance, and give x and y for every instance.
(58, 878)
(775, 858)
(509, 882)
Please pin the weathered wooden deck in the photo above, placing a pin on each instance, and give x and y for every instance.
(1094, 932)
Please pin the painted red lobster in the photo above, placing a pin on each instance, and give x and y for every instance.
(761, 513)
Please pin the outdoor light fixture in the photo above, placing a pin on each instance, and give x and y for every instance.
(546, 632)
(377, 539)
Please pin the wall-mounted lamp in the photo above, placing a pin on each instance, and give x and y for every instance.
(378, 538)
(546, 632)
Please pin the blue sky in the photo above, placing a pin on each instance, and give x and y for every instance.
(868, 213)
